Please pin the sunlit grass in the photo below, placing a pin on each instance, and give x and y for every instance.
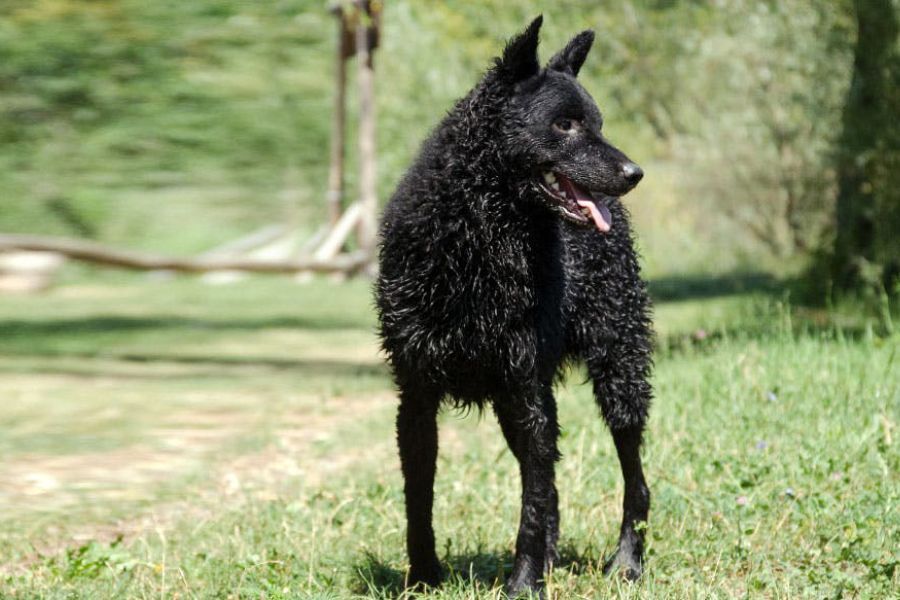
(164, 438)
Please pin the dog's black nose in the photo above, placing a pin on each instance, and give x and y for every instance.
(632, 172)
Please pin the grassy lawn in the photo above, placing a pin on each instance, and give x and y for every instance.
(174, 439)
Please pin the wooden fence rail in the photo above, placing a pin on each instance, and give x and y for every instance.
(127, 259)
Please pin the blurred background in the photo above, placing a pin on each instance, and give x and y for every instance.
(178, 127)
(136, 401)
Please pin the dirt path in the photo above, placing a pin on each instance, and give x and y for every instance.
(193, 462)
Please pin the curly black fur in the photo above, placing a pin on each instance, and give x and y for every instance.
(489, 282)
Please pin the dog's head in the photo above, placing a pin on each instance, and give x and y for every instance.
(554, 128)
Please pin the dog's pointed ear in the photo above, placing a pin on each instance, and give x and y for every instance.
(520, 58)
(569, 59)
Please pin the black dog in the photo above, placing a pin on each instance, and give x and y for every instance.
(505, 251)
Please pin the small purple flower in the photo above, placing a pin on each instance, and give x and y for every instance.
(762, 445)
(700, 335)
(837, 476)
(742, 500)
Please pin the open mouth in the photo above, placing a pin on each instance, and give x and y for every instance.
(574, 203)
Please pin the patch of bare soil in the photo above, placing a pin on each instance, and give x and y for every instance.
(190, 442)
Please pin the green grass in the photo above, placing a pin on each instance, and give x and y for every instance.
(171, 439)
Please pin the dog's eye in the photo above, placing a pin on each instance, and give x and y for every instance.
(567, 126)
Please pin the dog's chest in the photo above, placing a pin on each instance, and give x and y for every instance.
(502, 318)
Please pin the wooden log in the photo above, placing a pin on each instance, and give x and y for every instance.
(314, 240)
(339, 233)
(126, 259)
(258, 238)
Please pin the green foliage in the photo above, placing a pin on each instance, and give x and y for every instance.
(178, 125)
(91, 560)
(768, 86)
(134, 107)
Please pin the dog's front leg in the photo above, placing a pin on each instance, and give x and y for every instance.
(536, 433)
(510, 433)
(417, 438)
(635, 505)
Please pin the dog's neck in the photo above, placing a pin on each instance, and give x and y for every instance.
(501, 187)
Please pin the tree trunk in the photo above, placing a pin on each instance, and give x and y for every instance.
(866, 247)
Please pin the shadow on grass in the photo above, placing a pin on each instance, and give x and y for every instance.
(375, 577)
(674, 288)
(318, 367)
(122, 324)
(702, 341)
(662, 290)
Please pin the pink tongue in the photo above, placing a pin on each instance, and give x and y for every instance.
(585, 200)
(599, 221)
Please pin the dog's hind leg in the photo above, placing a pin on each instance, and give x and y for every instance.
(623, 392)
(417, 438)
(530, 427)
(507, 425)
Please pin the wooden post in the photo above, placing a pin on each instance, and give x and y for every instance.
(338, 119)
(365, 22)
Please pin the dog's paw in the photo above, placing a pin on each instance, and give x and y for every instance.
(625, 563)
(424, 576)
(524, 587)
